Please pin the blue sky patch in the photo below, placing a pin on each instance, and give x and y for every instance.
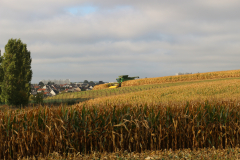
(82, 10)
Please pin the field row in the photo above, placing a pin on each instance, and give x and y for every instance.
(180, 78)
(120, 127)
(193, 114)
(178, 94)
(87, 95)
(205, 153)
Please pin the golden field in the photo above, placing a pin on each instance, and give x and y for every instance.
(183, 121)
(180, 78)
(128, 128)
(189, 77)
(222, 90)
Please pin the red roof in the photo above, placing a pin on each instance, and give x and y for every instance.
(36, 86)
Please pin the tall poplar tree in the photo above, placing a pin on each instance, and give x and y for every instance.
(16, 66)
(1, 76)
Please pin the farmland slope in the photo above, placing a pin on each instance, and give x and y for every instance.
(150, 115)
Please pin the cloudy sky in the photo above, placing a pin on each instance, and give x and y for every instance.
(102, 39)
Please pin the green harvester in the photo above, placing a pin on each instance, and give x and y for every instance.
(121, 79)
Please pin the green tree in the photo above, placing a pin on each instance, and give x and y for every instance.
(16, 66)
(50, 83)
(41, 84)
(1, 75)
(85, 81)
(91, 83)
(38, 98)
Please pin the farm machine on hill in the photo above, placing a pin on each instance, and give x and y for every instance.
(121, 79)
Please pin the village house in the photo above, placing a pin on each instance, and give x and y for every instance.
(40, 90)
(54, 89)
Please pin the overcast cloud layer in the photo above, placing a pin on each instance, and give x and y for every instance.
(100, 40)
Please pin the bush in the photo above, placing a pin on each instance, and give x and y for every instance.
(71, 102)
(38, 98)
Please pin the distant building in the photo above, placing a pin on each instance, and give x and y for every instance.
(53, 93)
(177, 74)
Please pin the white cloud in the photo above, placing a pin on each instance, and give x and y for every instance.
(104, 39)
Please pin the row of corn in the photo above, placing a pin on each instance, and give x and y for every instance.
(187, 154)
(126, 127)
(221, 90)
(100, 93)
(179, 78)
(146, 120)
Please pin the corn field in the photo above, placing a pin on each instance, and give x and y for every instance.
(221, 90)
(92, 94)
(112, 128)
(187, 115)
(180, 78)
(189, 77)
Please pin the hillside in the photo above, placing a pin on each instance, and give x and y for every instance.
(141, 85)
(176, 93)
(148, 118)
(180, 78)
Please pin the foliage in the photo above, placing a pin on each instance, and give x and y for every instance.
(1, 75)
(16, 66)
(111, 128)
(41, 84)
(85, 81)
(38, 98)
(91, 83)
(50, 83)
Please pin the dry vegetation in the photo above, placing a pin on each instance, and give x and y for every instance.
(187, 154)
(100, 86)
(178, 94)
(121, 128)
(139, 125)
(131, 128)
(189, 77)
(180, 78)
